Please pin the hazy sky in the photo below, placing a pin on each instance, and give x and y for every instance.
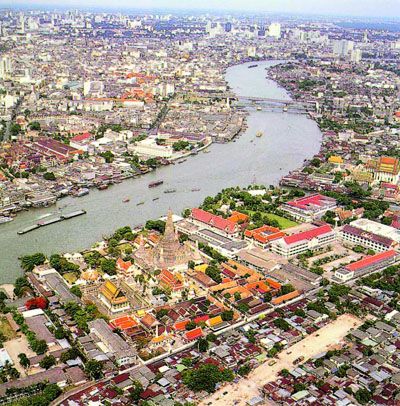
(390, 8)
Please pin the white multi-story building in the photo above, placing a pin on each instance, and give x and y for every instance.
(296, 244)
(274, 30)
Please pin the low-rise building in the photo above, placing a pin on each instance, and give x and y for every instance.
(112, 343)
(367, 265)
(310, 207)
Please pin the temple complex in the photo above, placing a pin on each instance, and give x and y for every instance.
(168, 253)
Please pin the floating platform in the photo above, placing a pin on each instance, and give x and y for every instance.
(52, 221)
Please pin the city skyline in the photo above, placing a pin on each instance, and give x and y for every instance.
(368, 8)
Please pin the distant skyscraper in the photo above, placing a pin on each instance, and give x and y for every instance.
(228, 27)
(274, 30)
(5, 66)
(342, 47)
(356, 55)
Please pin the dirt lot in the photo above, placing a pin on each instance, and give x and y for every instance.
(15, 347)
(322, 340)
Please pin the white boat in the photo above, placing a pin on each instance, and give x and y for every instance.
(43, 216)
(5, 219)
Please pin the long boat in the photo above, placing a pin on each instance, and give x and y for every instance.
(156, 183)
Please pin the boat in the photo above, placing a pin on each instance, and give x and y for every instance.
(102, 187)
(259, 108)
(156, 198)
(81, 192)
(126, 200)
(196, 190)
(169, 190)
(156, 183)
(43, 216)
(206, 151)
(181, 161)
(285, 109)
(252, 66)
(5, 219)
(259, 134)
(140, 203)
(251, 140)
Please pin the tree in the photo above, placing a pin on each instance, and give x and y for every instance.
(214, 273)
(28, 262)
(76, 291)
(285, 289)
(108, 265)
(190, 325)
(282, 324)
(227, 315)
(108, 156)
(36, 303)
(363, 396)
(24, 360)
(202, 345)
(135, 391)
(34, 125)
(267, 297)
(94, 369)
(49, 176)
(180, 145)
(205, 377)
(47, 362)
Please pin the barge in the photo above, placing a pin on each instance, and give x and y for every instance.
(52, 221)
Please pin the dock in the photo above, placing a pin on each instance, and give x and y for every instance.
(52, 221)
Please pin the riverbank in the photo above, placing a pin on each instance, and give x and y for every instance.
(288, 140)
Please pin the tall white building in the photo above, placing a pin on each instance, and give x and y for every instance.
(5, 67)
(274, 30)
(342, 47)
(356, 55)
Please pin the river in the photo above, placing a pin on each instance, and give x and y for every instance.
(288, 139)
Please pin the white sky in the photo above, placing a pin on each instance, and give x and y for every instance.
(373, 8)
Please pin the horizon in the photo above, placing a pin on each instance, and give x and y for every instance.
(371, 9)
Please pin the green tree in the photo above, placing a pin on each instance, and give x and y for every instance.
(47, 362)
(24, 360)
(49, 176)
(94, 369)
(202, 345)
(28, 262)
(205, 377)
(135, 391)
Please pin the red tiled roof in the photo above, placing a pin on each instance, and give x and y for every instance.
(308, 235)
(367, 261)
(213, 220)
(194, 334)
(81, 137)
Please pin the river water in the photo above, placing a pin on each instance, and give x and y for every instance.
(288, 139)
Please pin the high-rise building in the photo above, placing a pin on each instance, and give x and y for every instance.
(5, 66)
(356, 55)
(274, 30)
(228, 27)
(342, 47)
